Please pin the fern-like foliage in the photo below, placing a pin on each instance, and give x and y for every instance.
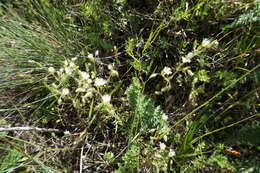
(146, 116)
(250, 16)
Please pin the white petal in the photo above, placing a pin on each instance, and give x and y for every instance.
(106, 98)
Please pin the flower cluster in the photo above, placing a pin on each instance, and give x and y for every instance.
(79, 86)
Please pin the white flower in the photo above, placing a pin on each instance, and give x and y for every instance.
(187, 58)
(162, 146)
(106, 98)
(190, 72)
(59, 101)
(113, 72)
(89, 95)
(61, 70)
(66, 63)
(167, 71)
(51, 69)
(54, 85)
(100, 82)
(165, 138)
(73, 65)
(96, 53)
(91, 57)
(172, 153)
(93, 74)
(68, 70)
(206, 43)
(110, 67)
(88, 65)
(89, 81)
(74, 59)
(84, 75)
(216, 43)
(164, 117)
(65, 91)
(67, 133)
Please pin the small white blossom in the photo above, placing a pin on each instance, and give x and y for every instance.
(67, 133)
(68, 70)
(100, 82)
(93, 74)
(190, 72)
(88, 65)
(66, 63)
(172, 153)
(106, 98)
(51, 69)
(65, 91)
(164, 117)
(110, 67)
(73, 65)
(74, 59)
(165, 138)
(187, 58)
(59, 101)
(206, 43)
(91, 57)
(96, 53)
(89, 81)
(85, 85)
(54, 85)
(88, 95)
(216, 43)
(167, 71)
(162, 146)
(84, 75)
(114, 73)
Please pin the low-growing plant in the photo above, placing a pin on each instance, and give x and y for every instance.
(173, 87)
(83, 89)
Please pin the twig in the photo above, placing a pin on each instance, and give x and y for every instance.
(81, 160)
(2, 129)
